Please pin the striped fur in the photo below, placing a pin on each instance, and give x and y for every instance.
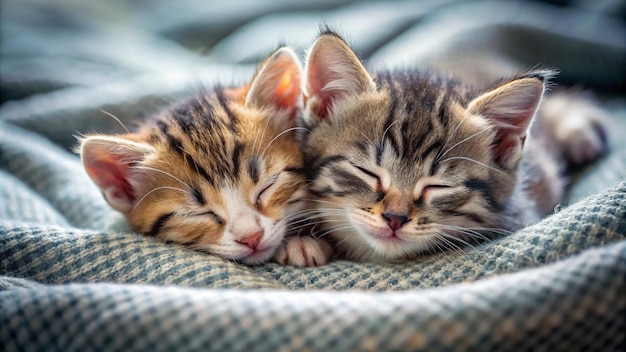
(220, 172)
(415, 162)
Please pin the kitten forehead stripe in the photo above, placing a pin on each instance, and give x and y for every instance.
(295, 170)
(198, 196)
(207, 112)
(379, 154)
(177, 146)
(174, 143)
(330, 160)
(472, 216)
(159, 224)
(349, 183)
(442, 113)
(219, 92)
(452, 201)
(391, 117)
(436, 146)
(182, 117)
(253, 169)
(237, 150)
(365, 171)
(197, 168)
(485, 189)
(362, 147)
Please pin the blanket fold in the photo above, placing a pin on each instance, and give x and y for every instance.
(573, 305)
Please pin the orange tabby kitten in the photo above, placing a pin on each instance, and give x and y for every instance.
(220, 172)
(406, 162)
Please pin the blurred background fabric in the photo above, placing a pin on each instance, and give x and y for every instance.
(66, 284)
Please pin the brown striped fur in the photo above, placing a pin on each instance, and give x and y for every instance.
(220, 172)
(406, 162)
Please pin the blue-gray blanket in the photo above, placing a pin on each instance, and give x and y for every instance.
(67, 284)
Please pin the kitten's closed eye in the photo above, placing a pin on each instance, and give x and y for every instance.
(262, 195)
(379, 186)
(218, 219)
(198, 197)
(428, 191)
(435, 187)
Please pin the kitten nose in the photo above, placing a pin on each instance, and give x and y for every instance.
(395, 221)
(252, 240)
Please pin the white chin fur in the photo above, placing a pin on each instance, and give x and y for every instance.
(259, 257)
(362, 247)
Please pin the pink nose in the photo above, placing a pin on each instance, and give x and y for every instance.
(395, 221)
(251, 240)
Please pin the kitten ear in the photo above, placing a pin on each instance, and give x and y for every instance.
(332, 71)
(510, 109)
(109, 163)
(277, 83)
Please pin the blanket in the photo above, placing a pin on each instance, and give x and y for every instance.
(69, 282)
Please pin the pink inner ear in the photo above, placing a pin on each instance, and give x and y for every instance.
(314, 82)
(287, 90)
(111, 175)
(505, 146)
(511, 134)
(318, 78)
(324, 102)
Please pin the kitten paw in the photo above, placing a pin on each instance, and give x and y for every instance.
(579, 126)
(586, 145)
(304, 252)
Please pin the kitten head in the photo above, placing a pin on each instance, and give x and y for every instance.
(220, 172)
(408, 161)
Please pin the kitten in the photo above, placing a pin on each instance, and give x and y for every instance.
(407, 162)
(220, 172)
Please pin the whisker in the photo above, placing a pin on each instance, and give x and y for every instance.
(362, 134)
(305, 217)
(432, 242)
(445, 238)
(188, 174)
(311, 211)
(318, 201)
(310, 225)
(460, 240)
(161, 171)
(313, 222)
(474, 161)
(452, 134)
(436, 241)
(475, 229)
(116, 119)
(477, 236)
(152, 191)
(382, 139)
(457, 144)
(280, 134)
(493, 229)
(255, 148)
(349, 236)
(466, 231)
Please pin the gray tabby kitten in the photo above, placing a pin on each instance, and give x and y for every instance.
(409, 162)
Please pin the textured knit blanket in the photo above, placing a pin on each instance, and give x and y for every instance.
(68, 284)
